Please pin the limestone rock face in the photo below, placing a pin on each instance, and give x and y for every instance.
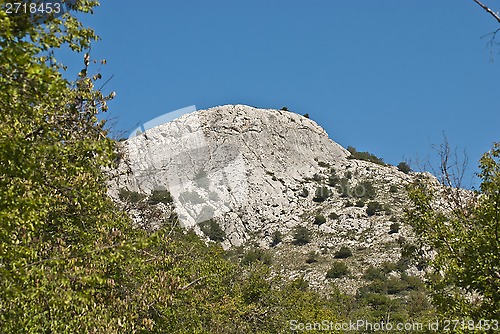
(231, 158)
(261, 171)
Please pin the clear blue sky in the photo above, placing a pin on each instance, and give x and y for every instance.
(384, 76)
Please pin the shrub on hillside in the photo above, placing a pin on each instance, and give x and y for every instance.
(319, 219)
(364, 190)
(394, 228)
(160, 196)
(130, 196)
(343, 252)
(373, 273)
(338, 269)
(301, 236)
(256, 255)
(277, 238)
(373, 207)
(343, 187)
(321, 194)
(404, 167)
(333, 215)
(333, 179)
(364, 156)
(212, 230)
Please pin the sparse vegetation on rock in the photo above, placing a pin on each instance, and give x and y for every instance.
(319, 219)
(301, 236)
(364, 156)
(373, 207)
(343, 253)
(212, 230)
(404, 167)
(160, 196)
(337, 270)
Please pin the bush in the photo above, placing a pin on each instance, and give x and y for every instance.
(306, 115)
(284, 108)
(338, 269)
(301, 236)
(304, 193)
(388, 267)
(393, 189)
(395, 285)
(373, 273)
(319, 220)
(160, 196)
(343, 187)
(333, 215)
(343, 253)
(394, 228)
(130, 196)
(312, 257)
(317, 177)
(323, 164)
(212, 230)
(365, 190)
(333, 179)
(256, 255)
(372, 208)
(404, 167)
(360, 203)
(277, 238)
(364, 156)
(321, 194)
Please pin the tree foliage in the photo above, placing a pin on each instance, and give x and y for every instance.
(465, 236)
(70, 260)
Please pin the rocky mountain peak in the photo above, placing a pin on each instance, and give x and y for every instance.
(262, 177)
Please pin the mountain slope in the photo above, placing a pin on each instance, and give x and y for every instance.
(260, 174)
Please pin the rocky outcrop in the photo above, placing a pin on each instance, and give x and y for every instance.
(258, 171)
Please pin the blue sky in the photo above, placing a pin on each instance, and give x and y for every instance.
(388, 76)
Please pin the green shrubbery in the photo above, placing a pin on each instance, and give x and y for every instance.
(373, 273)
(343, 252)
(337, 270)
(364, 156)
(301, 236)
(277, 238)
(373, 207)
(333, 215)
(404, 167)
(160, 196)
(394, 228)
(256, 255)
(319, 219)
(321, 194)
(130, 196)
(333, 179)
(212, 230)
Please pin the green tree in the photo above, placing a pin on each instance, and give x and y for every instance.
(466, 239)
(404, 167)
(301, 236)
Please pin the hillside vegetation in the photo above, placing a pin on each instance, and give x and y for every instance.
(72, 260)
